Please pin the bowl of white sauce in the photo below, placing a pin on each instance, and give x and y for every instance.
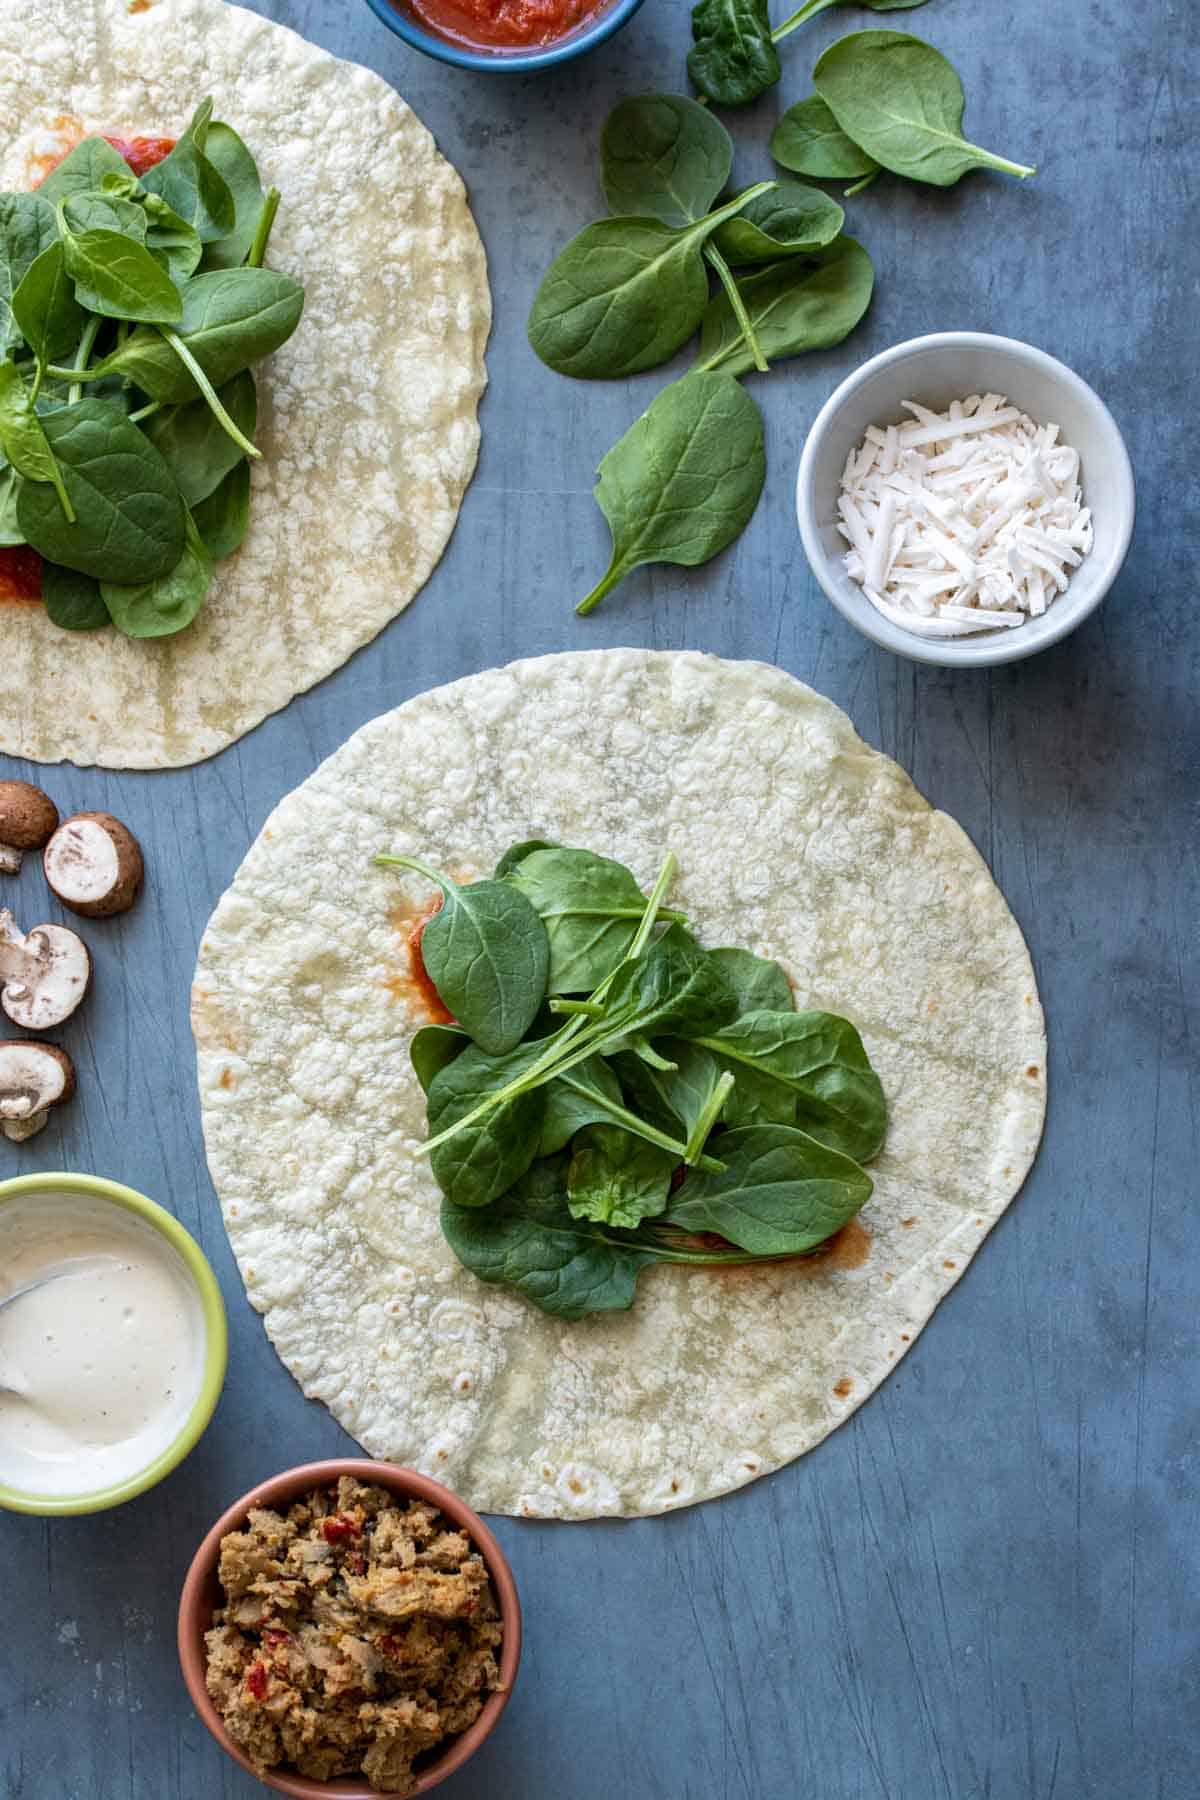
(965, 499)
(112, 1343)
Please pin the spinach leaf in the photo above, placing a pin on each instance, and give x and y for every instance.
(434, 1046)
(591, 908)
(45, 309)
(674, 1098)
(733, 60)
(192, 186)
(73, 601)
(10, 530)
(684, 480)
(663, 156)
(625, 294)
(616, 1178)
(586, 1095)
(24, 441)
(809, 140)
(517, 854)
(130, 515)
(674, 989)
(786, 222)
(27, 229)
(230, 157)
(903, 102)
(199, 453)
(759, 984)
(820, 1058)
(167, 604)
(83, 168)
(231, 318)
(795, 306)
(780, 1193)
(221, 520)
(103, 209)
(482, 1161)
(117, 277)
(811, 8)
(171, 239)
(528, 1240)
(487, 954)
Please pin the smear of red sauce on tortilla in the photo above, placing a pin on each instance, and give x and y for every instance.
(503, 24)
(21, 567)
(414, 986)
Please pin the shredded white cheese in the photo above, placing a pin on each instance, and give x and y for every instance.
(962, 521)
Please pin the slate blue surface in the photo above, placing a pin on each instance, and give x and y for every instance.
(984, 1586)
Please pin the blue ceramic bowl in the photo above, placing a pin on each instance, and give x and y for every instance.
(593, 31)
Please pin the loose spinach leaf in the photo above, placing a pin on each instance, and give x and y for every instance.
(674, 989)
(759, 984)
(230, 157)
(10, 529)
(672, 1099)
(616, 1178)
(231, 319)
(171, 239)
(104, 209)
(795, 306)
(130, 515)
(684, 480)
(198, 452)
(518, 853)
(733, 60)
(780, 1193)
(663, 156)
(221, 520)
(27, 229)
(809, 140)
(625, 294)
(486, 952)
(820, 1059)
(903, 102)
(45, 309)
(83, 169)
(482, 1161)
(167, 604)
(786, 222)
(434, 1046)
(811, 8)
(24, 442)
(192, 186)
(528, 1240)
(585, 1096)
(117, 277)
(73, 601)
(591, 908)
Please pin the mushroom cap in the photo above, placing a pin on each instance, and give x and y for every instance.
(27, 815)
(33, 1078)
(57, 981)
(93, 863)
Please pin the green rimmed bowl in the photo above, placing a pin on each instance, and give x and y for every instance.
(216, 1342)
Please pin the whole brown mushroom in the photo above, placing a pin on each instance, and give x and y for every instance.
(94, 864)
(33, 1078)
(27, 818)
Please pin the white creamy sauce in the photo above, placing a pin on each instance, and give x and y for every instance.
(101, 1366)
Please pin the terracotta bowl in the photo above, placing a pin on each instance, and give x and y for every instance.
(202, 1594)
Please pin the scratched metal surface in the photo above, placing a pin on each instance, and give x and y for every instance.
(984, 1585)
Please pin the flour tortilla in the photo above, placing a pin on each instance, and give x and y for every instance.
(795, 840)
(366, 416)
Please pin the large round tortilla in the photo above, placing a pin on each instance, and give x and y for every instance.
(795, 840)
(366, 416)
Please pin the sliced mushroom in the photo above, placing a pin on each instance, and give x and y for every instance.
(27, 818)
(94, 864)
(44, 974)
(33, 1078)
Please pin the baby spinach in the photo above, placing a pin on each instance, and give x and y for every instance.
(616, 1178)
(487, 953)
(481, 1162)
(230, 319)
(663, 156)
(82, 170)
(625, 294)
(230, 157)
(811, 8)
(221, 520)
(796, 305)
(23, 439)
(673, 989)
(27, 229)
(44, 308)
(129, 524)
(591, 908)
(10, 486)
(789, 220)
(104, 209)
(820, 1070)
(73, 602)
(673, 1098)
(903, 102)
(809, 140)
(192, 186)
(684, 480)
(167, 604)
(199, 453)
(587, 1095)
(170, 239)
(116, 276)
(780, 1193)
(432, 1048)
(733, 59)
(517, 854)
(759, 984)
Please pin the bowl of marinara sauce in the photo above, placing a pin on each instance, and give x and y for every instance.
(512, 36)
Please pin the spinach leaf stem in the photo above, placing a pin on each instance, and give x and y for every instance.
(717, 261)
(206, 387)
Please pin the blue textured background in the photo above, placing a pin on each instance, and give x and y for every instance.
(984, 1586)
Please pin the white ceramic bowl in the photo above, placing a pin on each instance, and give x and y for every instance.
(934, 371)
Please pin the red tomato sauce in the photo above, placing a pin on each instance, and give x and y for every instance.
(503, 24)
(436, 1010)
(141, 153)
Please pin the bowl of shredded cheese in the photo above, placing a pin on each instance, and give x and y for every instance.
(965, 499)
